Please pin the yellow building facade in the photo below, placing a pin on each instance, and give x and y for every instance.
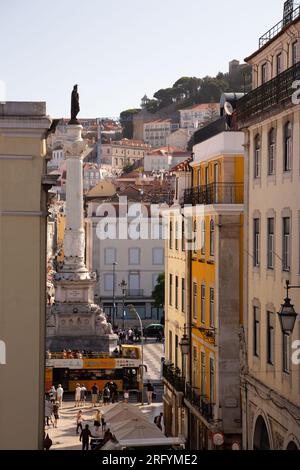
(213, 393)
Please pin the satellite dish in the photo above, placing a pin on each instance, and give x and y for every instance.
(228, 108)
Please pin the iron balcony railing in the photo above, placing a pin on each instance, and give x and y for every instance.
(200, 402)
(135, 293)
(269, 35)
(277, 91)
(215, 193)
(174, 377)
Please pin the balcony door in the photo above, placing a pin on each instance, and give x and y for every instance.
(134, 283)
(216, 183)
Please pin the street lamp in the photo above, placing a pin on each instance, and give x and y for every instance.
(287, 314)
(185, 346)
(132, 310)
(114, 295)
(123, 286)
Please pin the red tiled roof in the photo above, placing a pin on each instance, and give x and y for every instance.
(202, 106)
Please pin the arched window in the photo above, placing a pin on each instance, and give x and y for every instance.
(287, 150)
(257, 147)
(271, 151)
(212, 237)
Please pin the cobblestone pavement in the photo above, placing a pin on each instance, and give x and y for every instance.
(64, 436)
(153, 354)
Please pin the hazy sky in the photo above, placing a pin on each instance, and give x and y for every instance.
(118, 50)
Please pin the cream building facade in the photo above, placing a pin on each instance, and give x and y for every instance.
(271, 122)
(177, 311)
(23, 238)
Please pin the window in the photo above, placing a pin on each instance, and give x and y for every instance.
(286, 353)
(134, 283)
(270, 338)
(256, 240)
(203, 237)
(183, 295)
(176, 292)
(271, 151)
(211, 307)
(110, 256)
(176, 235)
(134, 256)
(195, 237)
(270, 244)
(212, 237)
(108, 281)
(203, 374)
(264, 73)
(202, 303)
(211, 380)
(257, 156)
(158, 256)
(199, 178)
(176, 351)
(170, 347)
(256, 332)
(154, 280)
(183, 236)
(278, 64)
(195, 301)
(286, 244)
(294, 52)
(287, 162)
(171, 236)
(170, 289)
(195, 369)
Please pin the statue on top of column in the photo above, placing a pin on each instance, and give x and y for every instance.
(75, 108)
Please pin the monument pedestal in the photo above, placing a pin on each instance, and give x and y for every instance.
(75, 322)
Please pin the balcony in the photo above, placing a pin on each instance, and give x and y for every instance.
(174, 377)
(135, 293)
(215, 193)
(268, 97)
(279, 27)
(200, 402)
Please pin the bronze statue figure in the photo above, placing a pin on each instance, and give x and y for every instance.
(75, 108)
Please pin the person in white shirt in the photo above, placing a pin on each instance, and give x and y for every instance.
(59, 395)
(77, 395)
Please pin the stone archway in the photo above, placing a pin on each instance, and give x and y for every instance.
(261, 440)
(292, 446)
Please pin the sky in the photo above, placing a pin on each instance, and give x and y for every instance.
(118, 50)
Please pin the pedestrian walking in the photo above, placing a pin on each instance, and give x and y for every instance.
(94, 392)
(55, 413)
(97, 421)
(158, 421)
(85, 437)
(106, 395)
(150, 390)
(48, 412)
(79, 420)
(77, 395)
(52, 394)
(59, 395)
(47, 442)
(126, 396)
(82, 395)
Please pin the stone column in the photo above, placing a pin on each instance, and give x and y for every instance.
(74, 238)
